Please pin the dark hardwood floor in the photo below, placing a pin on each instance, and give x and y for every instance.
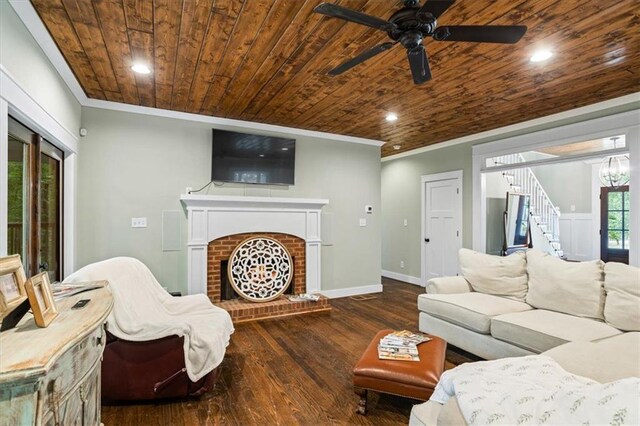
(296, 370)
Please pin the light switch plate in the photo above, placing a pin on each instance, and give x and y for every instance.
(405, 222)
(138, 222)
(363, 221)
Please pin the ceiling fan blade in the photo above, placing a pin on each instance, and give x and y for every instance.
(435, 8)
(481, 34)
(350, 15)
(361, 58)
(419, 64)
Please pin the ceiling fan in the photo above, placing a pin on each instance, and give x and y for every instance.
(410, 25)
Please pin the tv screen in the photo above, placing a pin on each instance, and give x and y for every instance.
(243, 158)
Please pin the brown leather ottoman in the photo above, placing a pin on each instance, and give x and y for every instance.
(404, 378)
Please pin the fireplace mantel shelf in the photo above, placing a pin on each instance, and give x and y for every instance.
(191, 200)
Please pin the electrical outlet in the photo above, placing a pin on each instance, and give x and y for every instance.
(402, 264)
(138, 222)
(188, 190)
(363, 221)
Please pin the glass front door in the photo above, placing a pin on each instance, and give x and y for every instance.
(614, 224)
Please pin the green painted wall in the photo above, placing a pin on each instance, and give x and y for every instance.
(134, 165)
(401, 199)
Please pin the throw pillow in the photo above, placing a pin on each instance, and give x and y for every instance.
(574, 288)
(622, 307)
(496, 275)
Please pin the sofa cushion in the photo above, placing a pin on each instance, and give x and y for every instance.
(622, 306)
(605, 360)
(539, 330)
(496, 275)
(574, 288)
(469, 310)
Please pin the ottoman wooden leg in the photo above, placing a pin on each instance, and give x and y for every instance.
(362, 404)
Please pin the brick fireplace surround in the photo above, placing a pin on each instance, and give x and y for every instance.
(229, 219)
(220, 250)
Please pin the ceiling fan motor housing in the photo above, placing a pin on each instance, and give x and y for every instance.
(408, 23)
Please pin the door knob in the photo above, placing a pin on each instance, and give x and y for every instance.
(44, 266)
(426, 240)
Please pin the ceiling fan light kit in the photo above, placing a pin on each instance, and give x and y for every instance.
(410, 25)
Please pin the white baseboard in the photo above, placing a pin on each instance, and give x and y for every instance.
(351, 291)
(402, 277)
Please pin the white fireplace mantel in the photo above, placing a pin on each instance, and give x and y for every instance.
(214, 216)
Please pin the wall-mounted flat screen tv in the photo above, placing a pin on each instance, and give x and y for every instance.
(244, 158)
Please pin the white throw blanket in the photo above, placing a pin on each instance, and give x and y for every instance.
(143, 311)
(536, 390)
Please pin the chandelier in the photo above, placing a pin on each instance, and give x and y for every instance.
(614, 170)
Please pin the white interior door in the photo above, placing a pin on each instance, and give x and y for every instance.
(442, 227)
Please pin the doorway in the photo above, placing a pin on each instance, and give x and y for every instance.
(34, 201)
(441, 224)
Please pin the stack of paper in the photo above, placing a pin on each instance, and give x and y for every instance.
(401, 346)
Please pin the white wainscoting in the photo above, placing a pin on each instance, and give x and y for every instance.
(576, 237)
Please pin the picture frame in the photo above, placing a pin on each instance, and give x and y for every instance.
(41, 299)
(12, 284)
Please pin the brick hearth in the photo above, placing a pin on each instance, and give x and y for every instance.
(243, 311)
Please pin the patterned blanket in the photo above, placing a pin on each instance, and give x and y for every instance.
(536, 390)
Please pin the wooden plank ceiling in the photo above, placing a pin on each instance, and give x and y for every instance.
(267, 61)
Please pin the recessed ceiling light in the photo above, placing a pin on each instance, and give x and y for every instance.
(261, 155)
(141, 69)
(391, 117)
(541, 55)
(396, 147)
(285, 149)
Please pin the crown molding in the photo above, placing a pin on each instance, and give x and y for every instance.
(631, 101)
(36, 27)
(228, 123)
(31, 20)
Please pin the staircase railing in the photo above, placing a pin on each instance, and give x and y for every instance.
(545, 213)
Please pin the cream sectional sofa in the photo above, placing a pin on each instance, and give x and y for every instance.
(529, 303)
(585, 315)
(604, 361)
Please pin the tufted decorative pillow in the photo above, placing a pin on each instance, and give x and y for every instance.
(622, 307)
(496, 275)
(574, 288)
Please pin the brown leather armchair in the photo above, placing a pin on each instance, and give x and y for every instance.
(149, 370)
(144, 359)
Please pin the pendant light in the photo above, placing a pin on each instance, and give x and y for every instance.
(614, 170)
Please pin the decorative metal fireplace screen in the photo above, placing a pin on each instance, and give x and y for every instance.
(260, 269)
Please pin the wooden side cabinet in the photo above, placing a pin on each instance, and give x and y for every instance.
(51, 376)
